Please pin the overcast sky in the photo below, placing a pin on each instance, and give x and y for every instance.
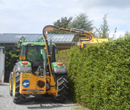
(30, 16)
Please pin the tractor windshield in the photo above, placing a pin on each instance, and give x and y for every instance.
(35, 53)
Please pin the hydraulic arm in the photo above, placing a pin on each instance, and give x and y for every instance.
(75, 31)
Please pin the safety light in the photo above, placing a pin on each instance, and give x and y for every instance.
(29, 44)
(59, 63)
(24, 62)
(24, 90)
(20, 41)
(41, 90)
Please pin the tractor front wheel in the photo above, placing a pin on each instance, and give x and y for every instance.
(62, 82)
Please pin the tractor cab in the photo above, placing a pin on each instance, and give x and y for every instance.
(34, 53)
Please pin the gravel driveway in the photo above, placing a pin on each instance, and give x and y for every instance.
(33, 103)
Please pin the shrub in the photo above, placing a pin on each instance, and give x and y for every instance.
(99, 75)
(63, 56)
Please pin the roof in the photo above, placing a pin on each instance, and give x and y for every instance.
(35, 43)
(56, 38)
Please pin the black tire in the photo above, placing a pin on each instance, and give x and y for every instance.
(17, 98)
(10, 84)
(62, 82)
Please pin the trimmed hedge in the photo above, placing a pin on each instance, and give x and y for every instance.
(99, 75)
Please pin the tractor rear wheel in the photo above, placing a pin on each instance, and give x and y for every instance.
(17, 97)
(62, 82)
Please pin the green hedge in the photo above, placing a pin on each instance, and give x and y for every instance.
(99, 75)
(63, 56)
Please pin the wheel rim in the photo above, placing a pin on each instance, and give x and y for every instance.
(14, 85)
(10, 84)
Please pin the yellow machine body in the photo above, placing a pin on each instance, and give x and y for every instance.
(29, 84)
(83, 42)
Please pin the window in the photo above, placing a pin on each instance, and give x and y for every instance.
(34, 53)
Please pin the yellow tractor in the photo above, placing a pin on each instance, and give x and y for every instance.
(37, 71)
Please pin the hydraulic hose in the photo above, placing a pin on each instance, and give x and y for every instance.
(48, 56)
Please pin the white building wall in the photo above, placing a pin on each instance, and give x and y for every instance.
(2, 64)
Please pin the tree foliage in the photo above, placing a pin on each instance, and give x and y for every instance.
(10, 59)
(82, 22)
(61, 23)
(103, 31)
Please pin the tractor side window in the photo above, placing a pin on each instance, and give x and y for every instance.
(53, 54)
(23, 50)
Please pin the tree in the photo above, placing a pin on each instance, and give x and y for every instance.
(61, 23)
(104, 28)
(114, 33)
(103, 31)
(82, 22)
